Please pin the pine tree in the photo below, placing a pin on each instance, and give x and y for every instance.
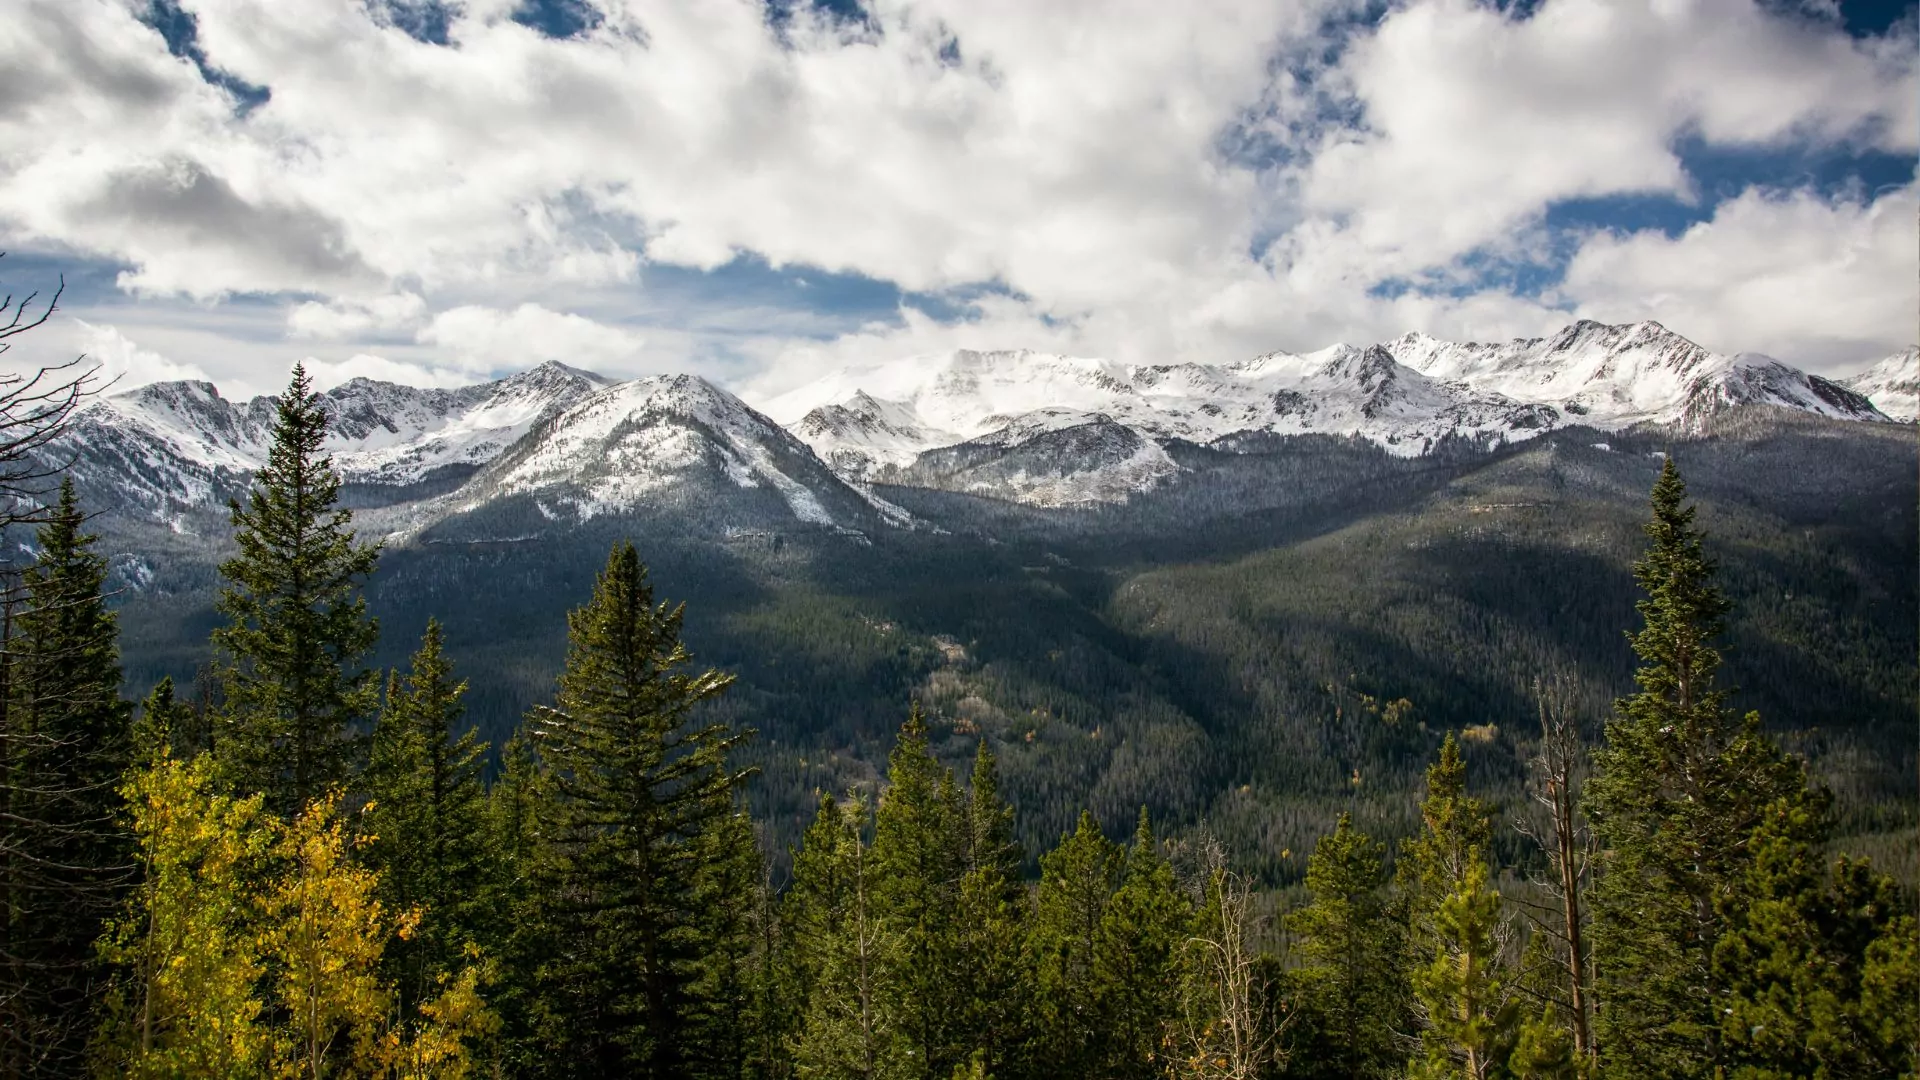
(297, 626)
(919, 858)
(1077, 881)
(726, 888)
(426, 819)
(510, 931)
(1351, 984)
(1800, 956)
(1678, 789)
(67, 859)
(838, 946)
(1144, 930)
(634, 784)
(995, 1016)
(1462, 982)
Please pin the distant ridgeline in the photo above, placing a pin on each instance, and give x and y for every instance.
(300, 866)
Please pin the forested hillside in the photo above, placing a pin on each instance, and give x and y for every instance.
(306, 866)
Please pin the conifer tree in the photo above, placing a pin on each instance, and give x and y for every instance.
(1077, 881)
(726, 887)
(1144, 930)
(634, 785)
(996, 1007)
(66, 741)
(1677, 792)
(297, 627)
(426, 818)
(918, 859)
(1804, 959)
(838, 950)
(1462, 981)
(1352, 982)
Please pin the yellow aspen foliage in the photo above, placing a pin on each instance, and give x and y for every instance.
(253, 949)
(188, 1002)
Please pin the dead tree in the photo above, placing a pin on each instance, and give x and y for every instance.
(1557, 771)
(35, 405)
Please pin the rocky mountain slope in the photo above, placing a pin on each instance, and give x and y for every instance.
(1893, 385)
(1056, 430)
(1017, 426)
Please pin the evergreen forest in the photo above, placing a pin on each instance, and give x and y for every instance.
(311, 864)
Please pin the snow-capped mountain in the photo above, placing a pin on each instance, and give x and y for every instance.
(1893, 385)
(1041, 428)
(670, 440)
(1036, 428)
(180, 446)
(1616, 376)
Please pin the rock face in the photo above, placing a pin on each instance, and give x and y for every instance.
(1027, 427)
(1892, 385)
(996, 423)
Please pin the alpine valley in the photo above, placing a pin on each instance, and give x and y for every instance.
(1170, 585)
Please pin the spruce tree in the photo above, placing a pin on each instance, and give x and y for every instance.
(996, 1006)
(297, 627)
(635, 784)
(1463, 984)
(1677, 792)
(68, 859)
(1138, 960)
(426, 818)
(1077, 881)
(919, 858)
(838, 950)
(1351, 985)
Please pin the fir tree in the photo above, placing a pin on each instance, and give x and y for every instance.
(635, 784)
(426, 818)
(1077, 881)
(1800, 959)
(297, 626)
(996, 1008)
(1144, 929)
(1351, 984)
(1462, 981)
(67, 742)
(838, 946)
(919, 858)
(1678, 789)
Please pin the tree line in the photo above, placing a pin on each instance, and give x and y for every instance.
(306, 871)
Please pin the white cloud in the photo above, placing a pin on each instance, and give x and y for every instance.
(1817, 284)
(488, 339)
(1072, 153)
(125, 363)
(352, 316)
(327, 374)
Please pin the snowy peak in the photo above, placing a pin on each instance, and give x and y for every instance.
(1616, 376)
(1892, 385)
(671, 441)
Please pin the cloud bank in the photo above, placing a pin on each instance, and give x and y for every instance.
(1139, 180)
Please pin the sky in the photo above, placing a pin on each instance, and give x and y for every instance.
(762, 190)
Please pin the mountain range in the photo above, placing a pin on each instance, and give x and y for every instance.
(1022, 427)
(1144, 584)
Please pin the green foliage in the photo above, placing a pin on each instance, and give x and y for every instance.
(919, 857)
(1678, 789)
(1077, 879)
(633, 788)
(837, 949)
(995, 988)
(1140, 958)
(425, 819)
(1463, 982)
(65, 861)
(1351, 985)
(297, 628)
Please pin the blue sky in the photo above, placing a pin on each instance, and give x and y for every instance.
(439, 192)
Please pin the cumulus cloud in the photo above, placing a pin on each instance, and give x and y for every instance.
(1145, 180)
(349, 316)
(488, 339)
(1815, 283)
(327, 374)
(125, 363)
